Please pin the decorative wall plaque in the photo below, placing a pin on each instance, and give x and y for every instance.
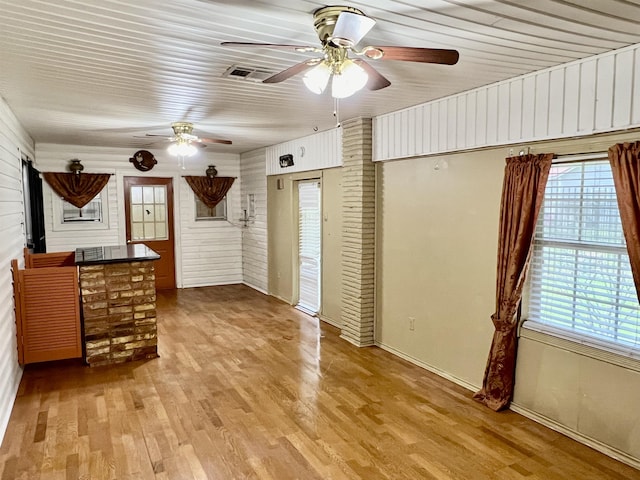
(143, 160)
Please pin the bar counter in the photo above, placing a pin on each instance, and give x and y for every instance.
(118, 292)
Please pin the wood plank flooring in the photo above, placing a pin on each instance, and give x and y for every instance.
(247, 387)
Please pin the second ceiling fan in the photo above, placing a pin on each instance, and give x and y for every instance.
(340, 29)
(184, 142)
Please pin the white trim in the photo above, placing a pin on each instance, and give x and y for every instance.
(306, 311)
(581, 345)
(282, 299)
(60, 226)
(431, 368)
(258, 289)
(330, 321)
(581, 157)
(216, 284)
(577, 436)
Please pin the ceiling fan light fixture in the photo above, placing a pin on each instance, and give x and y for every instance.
(350, 29)
(317, 78)
(182, 148)
(351, 78)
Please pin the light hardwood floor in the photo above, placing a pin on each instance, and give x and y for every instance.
(248, 387)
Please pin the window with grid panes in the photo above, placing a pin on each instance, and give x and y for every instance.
(581, 286)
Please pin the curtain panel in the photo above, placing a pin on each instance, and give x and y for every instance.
(525, 179)
(625, 166)
(210, 190)
(77, 188)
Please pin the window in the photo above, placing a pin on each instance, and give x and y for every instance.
(91, 212)
(205, 213)
(581, 286)
(149, 212)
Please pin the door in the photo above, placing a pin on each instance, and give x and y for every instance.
(34, 208)
(309, 241)
(149, 215)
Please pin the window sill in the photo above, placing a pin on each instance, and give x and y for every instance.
(80, 226)
(615, 355)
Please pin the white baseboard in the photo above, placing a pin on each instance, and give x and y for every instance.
(577, 436)
(256, 288)
(282, 299)
(214, 284)
(530, 414)
(330, 321)
(431, 368)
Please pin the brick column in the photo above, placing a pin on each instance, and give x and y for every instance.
(358, 232)
(119, 312)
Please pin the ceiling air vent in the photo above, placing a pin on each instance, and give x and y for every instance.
(252, 74)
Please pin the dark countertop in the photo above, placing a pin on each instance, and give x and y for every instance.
(136, 252)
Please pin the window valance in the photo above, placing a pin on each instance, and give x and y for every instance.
(210, 190)
(77, 188)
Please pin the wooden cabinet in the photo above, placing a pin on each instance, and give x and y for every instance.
(47, 309)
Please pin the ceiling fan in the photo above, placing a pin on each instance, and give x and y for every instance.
(340, 29)
(184, 142)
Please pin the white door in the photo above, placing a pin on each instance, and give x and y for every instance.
(309, 225)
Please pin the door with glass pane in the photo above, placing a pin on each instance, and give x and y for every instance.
(149, 216)
(309, 240)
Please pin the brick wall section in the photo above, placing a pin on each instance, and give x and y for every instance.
(119, 312)
(358, 232)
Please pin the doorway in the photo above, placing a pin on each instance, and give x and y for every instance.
(149, 219)
(33, 208)
(309, 245)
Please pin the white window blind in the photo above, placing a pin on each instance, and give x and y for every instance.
(309, 245)
(580, 279)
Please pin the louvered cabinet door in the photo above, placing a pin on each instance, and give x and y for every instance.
(50, 314)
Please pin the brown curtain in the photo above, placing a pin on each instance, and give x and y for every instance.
(625, 165)
(525, 178)
(77, 188)
(210, 190)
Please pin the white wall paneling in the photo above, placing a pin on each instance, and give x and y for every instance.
(207, 252)
(635, 104)
(254, 235)
(593, 95)
(63, 238)
(14, 141)
(211, 249)
(314, 152)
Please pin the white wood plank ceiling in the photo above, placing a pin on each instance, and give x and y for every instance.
(100, 72)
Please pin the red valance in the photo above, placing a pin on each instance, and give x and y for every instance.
(210, 190)
(77, 188)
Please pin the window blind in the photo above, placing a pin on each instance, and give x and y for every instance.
(309, 232)
(580, 280)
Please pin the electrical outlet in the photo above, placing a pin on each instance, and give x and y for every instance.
(412, 323)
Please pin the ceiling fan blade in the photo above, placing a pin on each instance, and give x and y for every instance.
(214, 140)
(424, 55)
(350, 28)
(297, 48)
(150, 135)
(291, 71)
(376, 81)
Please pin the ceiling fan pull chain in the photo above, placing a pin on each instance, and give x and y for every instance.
(336, 111)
